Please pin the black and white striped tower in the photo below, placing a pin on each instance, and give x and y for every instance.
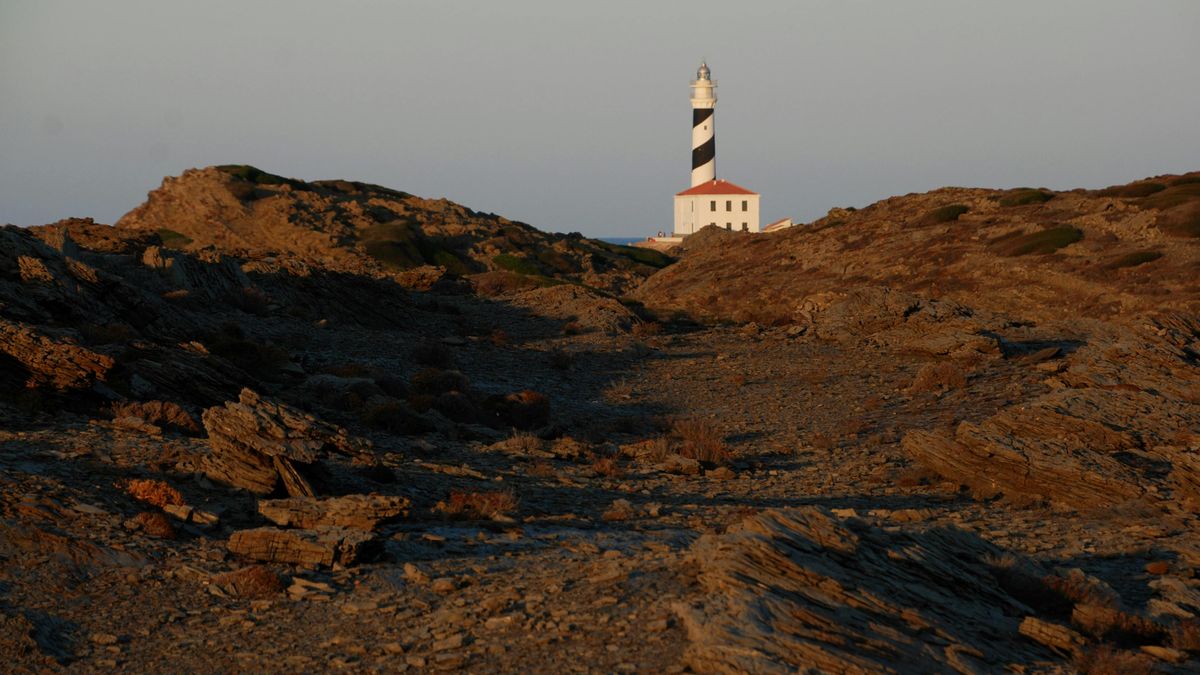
(704, 136)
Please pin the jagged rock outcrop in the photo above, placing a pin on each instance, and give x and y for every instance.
(367, 229)
(802, 590)
(1122, 423)
(55, 364)
(261, 444)
(323, 547)
(355, 512)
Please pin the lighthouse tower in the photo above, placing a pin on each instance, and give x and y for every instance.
(704, 137)
(710, 201)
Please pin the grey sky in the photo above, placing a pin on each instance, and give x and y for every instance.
(575, 116)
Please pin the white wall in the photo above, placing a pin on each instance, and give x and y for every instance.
(693, 212)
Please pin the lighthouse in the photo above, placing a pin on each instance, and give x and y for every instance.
(710, 201)
(704, 133)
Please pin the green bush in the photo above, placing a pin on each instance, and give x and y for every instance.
(173, 239)
(1023, 196)
(1044, 241)
(516, 264)
(1176, 195)
(945, 214)
(645, 256)
(1134, 259)
(1133, 190)
(1183, 221)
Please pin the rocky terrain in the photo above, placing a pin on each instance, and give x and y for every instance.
(247, 429)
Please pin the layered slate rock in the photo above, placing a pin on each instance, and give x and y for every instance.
(803, 591)
(356, 512)
(321, 547)
(260, 444)
(1122, 423)
(51, 363)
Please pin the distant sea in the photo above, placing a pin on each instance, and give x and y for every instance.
(623, 241)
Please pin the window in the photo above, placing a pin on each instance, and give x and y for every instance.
(712, 223)
(745, 205)
(745, 227)
(729, 226)
(712, 205)
(692, 205)
(728, 204)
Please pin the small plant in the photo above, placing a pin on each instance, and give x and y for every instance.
(1024, 196)
(945, 214)
(701, 440)
(1183, 221)
(153, 492)
(1134, 259)
(477, 505)
(498, 338)
(573, 328)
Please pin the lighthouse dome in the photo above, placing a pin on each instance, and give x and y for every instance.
(703, 73)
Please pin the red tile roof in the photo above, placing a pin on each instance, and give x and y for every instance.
(716, 187)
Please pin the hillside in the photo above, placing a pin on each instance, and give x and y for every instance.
(352, 226)
(235, 439)
(1031, 254)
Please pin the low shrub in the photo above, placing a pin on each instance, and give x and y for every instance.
(173, 239)
(1044, 241)
(524, 410)
(1133, 190)
(1183, 221)
(607, 467)
(512, 263)
(1176, 195)
(432, 353)
(945, 214)
(643, 329)
(1024, 196)
(1134, 259)
(433, 381)
(394, 417)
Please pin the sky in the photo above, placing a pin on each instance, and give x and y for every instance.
(574, 117)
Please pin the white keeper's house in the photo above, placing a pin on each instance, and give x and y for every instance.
(710, 201)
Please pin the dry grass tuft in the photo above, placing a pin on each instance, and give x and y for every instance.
(646, 329)
(1105, 660)
(153, 492)
(608, 467)
(255, 582)
(477, 505)
(523, 443)
(155, 524)
(701, 440)
(1185, 635)
(621, 390)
